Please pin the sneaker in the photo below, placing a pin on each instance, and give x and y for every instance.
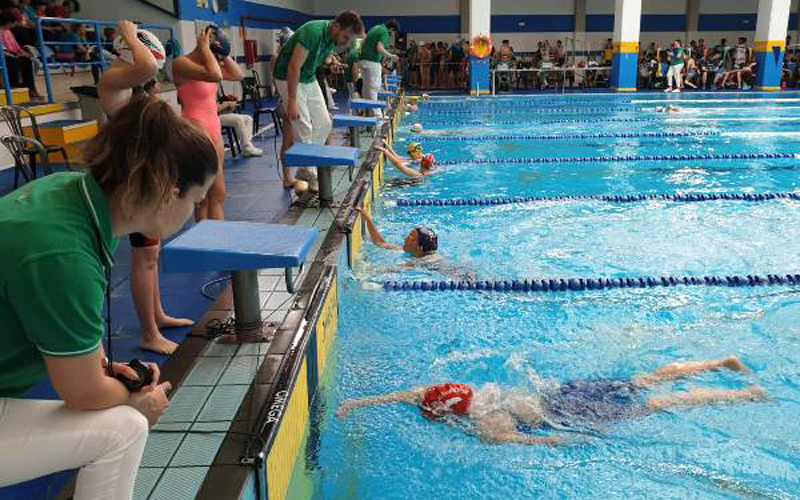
(676, 90)
(252, 151)
(668, 89)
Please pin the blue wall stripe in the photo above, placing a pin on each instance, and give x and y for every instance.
(727, 22)
(599, 23)
(533, 23)
(663, 22)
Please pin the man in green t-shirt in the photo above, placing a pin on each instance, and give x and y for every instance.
(374, 50)
(295, 77)
(675, 72)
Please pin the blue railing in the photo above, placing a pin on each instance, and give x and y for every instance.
(97, 60)
(6, 82)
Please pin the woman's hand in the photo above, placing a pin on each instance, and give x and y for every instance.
(127, 29)
(204, 39)
(130, 374)
(151, 401)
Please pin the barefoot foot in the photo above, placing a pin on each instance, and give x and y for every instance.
(170, 322)
(159, 344)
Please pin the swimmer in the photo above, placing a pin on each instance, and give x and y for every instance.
(669, 108)
(425, 162)
(496, 415)
(417, 128)
(197, 76)
(421, 243)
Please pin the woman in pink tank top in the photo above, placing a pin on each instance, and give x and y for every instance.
(197, 75)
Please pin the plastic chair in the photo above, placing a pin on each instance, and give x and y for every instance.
(20, 148)
(250, 89)
(233, 139)
(14, 115)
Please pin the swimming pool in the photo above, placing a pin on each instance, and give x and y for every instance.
(390, 341)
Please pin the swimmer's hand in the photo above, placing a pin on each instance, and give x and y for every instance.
(344, 409)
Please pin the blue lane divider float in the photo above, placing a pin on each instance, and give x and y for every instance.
(599, 159)
(555, 137)
(537, 111)
(544, 122)
(630, 198)
(516, 103)
(579, 284)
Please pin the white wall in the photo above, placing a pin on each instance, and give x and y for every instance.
(306, 6)
(114, 10)
(600, 6)
(728, 6)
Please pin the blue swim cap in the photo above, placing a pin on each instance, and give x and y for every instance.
(219, 44)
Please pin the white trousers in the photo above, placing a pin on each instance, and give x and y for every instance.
(371, 75)
(314, 123)
(674, 73)
(40, 437)
(243, 124)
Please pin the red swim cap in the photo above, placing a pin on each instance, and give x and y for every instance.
(446, 398)
(428, 160)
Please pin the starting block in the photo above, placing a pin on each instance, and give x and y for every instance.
(242, 248)
(322, 157)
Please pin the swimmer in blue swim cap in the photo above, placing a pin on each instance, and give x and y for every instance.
(421, 242)
(500, 415)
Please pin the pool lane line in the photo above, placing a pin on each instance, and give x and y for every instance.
(617, 158)
(667, 119)
(580, 284)
(631, 198)
(555, 137)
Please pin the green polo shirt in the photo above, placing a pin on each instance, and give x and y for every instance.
(52, 281)
(369, 51)
(315, 37)
(353, 55)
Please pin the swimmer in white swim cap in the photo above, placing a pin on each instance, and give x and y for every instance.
(416, 128)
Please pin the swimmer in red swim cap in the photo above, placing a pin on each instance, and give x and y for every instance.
(501, 415)
(425, 163)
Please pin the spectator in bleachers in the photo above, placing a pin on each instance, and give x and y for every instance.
(701, 49)
(454, 56)
(18, 60)
(424, 55)
(560, 54)
(412, 59)
(441, 71)
(76, 48)
(608, 53)
(692, 78)
(739, 54)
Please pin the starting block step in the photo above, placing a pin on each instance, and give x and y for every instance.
(314, 155)
(354, 121)
(385, 94)
(216, 245)
(367, 104)
(64, 132)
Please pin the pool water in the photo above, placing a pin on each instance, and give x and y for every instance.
(392, 341)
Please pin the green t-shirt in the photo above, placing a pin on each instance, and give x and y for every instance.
(369, 51)
(52, 281)
(353, 55)
(315, 37)
(677, 57)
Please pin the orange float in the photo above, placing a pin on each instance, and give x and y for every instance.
(481, 46)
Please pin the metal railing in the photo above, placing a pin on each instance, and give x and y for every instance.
(514, 73)
(98, 57)
(6, 82)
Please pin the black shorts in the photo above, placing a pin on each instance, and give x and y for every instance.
(138, 240)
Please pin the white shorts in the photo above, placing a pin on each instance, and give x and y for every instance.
(371, 75)
(314, 122)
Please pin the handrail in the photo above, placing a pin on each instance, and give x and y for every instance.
(99, 57)
(6, 82)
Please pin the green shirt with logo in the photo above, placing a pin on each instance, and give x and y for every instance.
(52, 279)
(315, 37)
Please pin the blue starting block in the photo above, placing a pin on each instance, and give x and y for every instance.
(394, 78)
(366, 104)
(391, 87)
(385, 94)
(313, 155)
(243, 248)
(353, 122)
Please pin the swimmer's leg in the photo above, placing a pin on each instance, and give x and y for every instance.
(703, 396)
(682, 369)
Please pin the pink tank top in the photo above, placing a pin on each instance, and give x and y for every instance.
(199, 102)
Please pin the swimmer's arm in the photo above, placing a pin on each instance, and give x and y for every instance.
(124, 76)
(375, 235)
(410, 397)
(230, 70)
(402, 166)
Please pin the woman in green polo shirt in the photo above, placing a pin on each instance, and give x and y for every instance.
(148, 169)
